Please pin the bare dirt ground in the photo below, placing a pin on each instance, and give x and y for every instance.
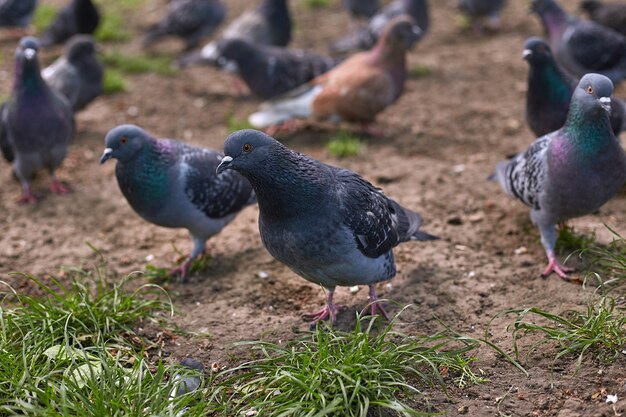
(444, 136)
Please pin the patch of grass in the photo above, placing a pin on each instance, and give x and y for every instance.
(43, 17)
(73, 351)
(344, 144)
(600, 330)
(138, 64)
(114, 81)
(609, 265)
(419, 71)
(334, 373)
(158, 274)
(113, 28)
(316, 4)
(234, 124)
(569, 241)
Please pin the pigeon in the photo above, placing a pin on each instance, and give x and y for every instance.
(611, 15)
(361, 8)
(267, 24)
(36, 124)
(582, 46)
(269, 71)
(367, 37)
(477, 9)
(550, 90)
(570, 172)
(78, 74)
(189, 381)
(327, 224)
(190, 20)
(356, 90)
(172, 184)
(16, 13)
(78, 17)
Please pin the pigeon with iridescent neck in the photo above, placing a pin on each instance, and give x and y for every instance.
(172, 184)
(327, 224)
(582, 46)
(550, 90)
(570, 172)
(36, 124)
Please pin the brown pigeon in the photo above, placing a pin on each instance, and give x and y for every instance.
(356, 90)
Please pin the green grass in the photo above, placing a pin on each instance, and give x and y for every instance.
(419, 71)
(158, 274)
(599, 330)
(234, 124)
(73, 351)
(344, 144)
(569, 241)
(113, 26)
(114, 81)
(138, 64)
(43, 17)
(316, 4)
(335, 373)
(609, 265)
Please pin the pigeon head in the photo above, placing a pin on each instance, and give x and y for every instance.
(594, 92)
(27, 49)
(536, 51)
(124, 142)
(80, 47)
(232, 51)
(245, 151)
(543, 6)
(401, 33)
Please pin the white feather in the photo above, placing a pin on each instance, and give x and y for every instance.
(276, 112)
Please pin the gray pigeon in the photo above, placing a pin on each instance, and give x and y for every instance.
(550, 90)
(582, 46)
(327, 224)
(267, 24)
(14, 13)
(269, 71)
(190, 20)
(367, 37)
(172, 184)
(78, 17)
(78, 74)
(611, 15)
(478, 9)
(36, 124)
(361, 8)
(188, 381)
(570, 172)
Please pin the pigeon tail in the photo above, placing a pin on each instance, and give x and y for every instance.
(423, 236)
(293, 105)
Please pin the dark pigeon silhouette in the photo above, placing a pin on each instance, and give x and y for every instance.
(479, 9)
(611, 15)
(16, 13)
(78, 17)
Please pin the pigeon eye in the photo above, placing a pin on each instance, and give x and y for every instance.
(124, 140)
(247, 147)
(590, 90)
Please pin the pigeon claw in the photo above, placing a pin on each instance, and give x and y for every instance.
(560, 270)
(181, 271)
(57, 187)
(375, 306)
(27, 197)
(327, 312)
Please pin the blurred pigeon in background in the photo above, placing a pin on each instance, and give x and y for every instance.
(191, 20)
(550, 90)
(361, 8)
(570, 172)
(188, 381)
(267, 24)
(327, 224)
(367, 37)
(16, 13)
(78, 17)
(36, 124)
(356, 90)
(78, 74)
(478, 9)
(582, 46)
(611, 15)
(172, 184)
(269, 71)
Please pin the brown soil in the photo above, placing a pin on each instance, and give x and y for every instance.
(444, 137)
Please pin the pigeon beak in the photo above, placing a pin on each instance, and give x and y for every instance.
(526, 53)
(106, 155)
(416, 35)
(230, 67)
(224, 165)
(605, 102)
(29, 53)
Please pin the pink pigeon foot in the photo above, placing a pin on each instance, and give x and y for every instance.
(556, 267)
(375, 307)
(328, 311)
(372, 130)
(181, 270)
(57, 187)
(27, 197)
